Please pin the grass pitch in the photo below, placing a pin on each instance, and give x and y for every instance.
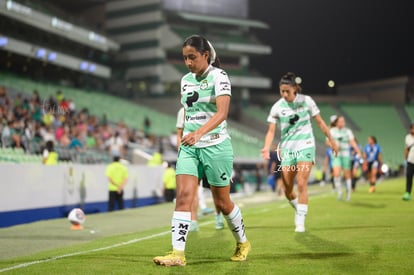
(371, 234)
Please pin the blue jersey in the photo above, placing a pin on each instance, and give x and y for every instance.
(372, 152)
(273, 159)
(328, 153)
(354, 155)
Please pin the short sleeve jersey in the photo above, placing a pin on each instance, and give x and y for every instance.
(372, 152)
(294, 119)
(409, 143)
(342, 138)
(198, 96)
(180, 118)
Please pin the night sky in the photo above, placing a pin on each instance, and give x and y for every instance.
(346, 41)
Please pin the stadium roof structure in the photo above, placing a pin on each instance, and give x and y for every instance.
(56, 26)
(151, 34)
(223, 20)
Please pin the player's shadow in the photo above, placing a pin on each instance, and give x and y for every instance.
(348, 227)
(368, 205)
(269, 227)
(324, 249)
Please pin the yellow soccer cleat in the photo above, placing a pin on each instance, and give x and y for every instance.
(175, 258)
(242, 249)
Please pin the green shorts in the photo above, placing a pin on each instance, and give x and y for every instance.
(343, 162)
(292, 157)
(216, 162)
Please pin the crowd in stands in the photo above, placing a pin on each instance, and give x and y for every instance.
(28, 122)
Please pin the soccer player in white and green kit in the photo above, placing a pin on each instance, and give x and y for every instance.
(342, 161)
(205, 148)
(296, 150)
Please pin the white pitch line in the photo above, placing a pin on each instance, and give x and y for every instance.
(107, 247)
(84, 252)
(91, 250)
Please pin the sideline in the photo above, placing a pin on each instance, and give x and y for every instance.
(84, 252)
(23, 265)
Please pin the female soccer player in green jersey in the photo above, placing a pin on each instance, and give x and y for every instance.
(296, 150)
(341, 163)
(205, 148)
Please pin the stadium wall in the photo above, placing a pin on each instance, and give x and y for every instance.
(33, 192)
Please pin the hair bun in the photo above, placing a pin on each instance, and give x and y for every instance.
(290, 76)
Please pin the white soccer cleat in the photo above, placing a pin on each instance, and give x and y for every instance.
(300, 228)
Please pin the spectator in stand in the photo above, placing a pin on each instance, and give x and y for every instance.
(71, 107)
(36, 98)
(75, 141)
(50, 105)
(64, 106)
(115, 146)
(11, 135)
(4, 99)
(6, 134)
(92, 123)
(48, 133)
(65, 139)
(17, 132)
(82, 126)
(147, 127)
(105, 132)
(59, 96)
(50, 157)
(90, 140)
(30, 122)
(36, 111)
(28, 132)
(60, 131)
(48, 117)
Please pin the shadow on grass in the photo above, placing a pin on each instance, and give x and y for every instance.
(351, 227)
(323, 248)
(321, 255)
(49, 238)
(367, 205)
(268, 227)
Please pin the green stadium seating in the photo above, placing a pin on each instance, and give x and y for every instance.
(382, 121)
(326, 111)
(258, 113)
(410, 111)
(17, 155)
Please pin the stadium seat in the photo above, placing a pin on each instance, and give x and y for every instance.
(381, 121)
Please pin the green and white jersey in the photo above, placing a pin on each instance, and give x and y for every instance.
(180, 118)
(294, 119)
(198, 96)
(342, 138)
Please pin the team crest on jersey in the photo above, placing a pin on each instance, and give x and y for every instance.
(204, 84)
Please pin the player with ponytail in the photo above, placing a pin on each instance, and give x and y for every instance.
(205, 148)
(296, 150)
